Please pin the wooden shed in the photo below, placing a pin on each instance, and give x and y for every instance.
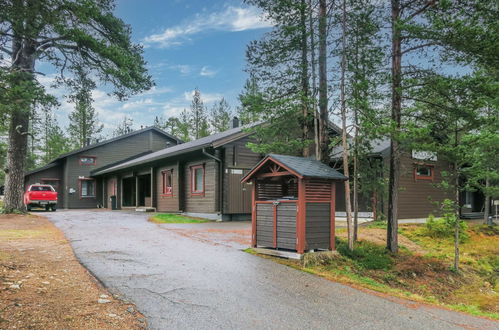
(293, 203)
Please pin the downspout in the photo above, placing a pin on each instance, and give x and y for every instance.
(220, 179)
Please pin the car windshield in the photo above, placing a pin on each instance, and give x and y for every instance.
(41, 188)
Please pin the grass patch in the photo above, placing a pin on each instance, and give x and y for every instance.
(420, 272)
(174, 218)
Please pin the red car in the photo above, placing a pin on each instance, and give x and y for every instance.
(40, 195)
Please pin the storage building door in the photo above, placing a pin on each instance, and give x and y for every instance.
(238, 194)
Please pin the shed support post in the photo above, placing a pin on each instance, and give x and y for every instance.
(300, 218)
(332, 243)
(253, 214)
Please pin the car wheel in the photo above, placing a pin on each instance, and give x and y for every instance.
(28, 208)
(54, 208)
(47, 208)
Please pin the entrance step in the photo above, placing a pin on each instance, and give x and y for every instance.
(145, 209)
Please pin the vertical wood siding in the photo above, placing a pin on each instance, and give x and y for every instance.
(265, 225)
(167, 203)
(286, 226)
(318, 225)
(237, 196)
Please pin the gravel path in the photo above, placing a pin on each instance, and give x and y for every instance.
(182, 282)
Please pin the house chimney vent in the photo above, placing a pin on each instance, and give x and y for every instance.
(234, 122)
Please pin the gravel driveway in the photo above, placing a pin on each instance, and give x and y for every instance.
(182, 281)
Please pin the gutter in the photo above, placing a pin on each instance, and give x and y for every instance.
(220, 178)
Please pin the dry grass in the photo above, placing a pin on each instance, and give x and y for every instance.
(43, 286)
(422, 270)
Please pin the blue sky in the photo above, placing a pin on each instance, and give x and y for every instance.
(187, 44)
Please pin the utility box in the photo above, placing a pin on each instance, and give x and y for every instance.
(293, 203)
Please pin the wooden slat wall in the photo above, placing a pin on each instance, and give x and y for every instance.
(268, 191)
(286, 226)
(167, 203)
(318, 225)
(265, 225)
(318, 190)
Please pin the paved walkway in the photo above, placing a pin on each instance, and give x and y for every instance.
(184, 281)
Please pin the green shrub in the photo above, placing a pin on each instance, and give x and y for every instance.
(365, 254)
(444, 227)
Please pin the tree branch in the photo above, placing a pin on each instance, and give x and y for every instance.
(421, 10)
(433, 43)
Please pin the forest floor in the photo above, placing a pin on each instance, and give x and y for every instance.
(422, 270)
(42, 284)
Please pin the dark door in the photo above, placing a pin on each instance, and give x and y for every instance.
(238, 194)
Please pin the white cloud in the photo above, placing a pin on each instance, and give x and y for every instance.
(231, 19)
(207, 72)
(184, 69)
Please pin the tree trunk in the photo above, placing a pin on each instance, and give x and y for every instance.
(393, 185)
(314, 82)
(355, 179)
(304, 78)
(486, 213)
(23, 63)
(346, 171)
(16, 161)
(458, 218)
(323, 107)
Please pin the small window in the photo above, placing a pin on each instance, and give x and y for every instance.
(197, 179)
(423, 172)
(87, 188)
(87, 160)
(167, 182)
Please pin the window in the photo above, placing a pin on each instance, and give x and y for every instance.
(41, 188)
(197, 179)
(167, 182)
(87, 160)
(87, 188)
(423, 172)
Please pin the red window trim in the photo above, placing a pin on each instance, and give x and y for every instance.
(79, 187)
(193, 171)
(163, 178)
(93, 157)
(424, 177)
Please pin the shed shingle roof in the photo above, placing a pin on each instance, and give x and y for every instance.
(305, 167)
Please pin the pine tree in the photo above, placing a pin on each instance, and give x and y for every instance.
(68, 35)
(197, 117)
(84, 125)
(54, 140)
(251, 102)
(220, 116)
(124, 127)
(279, 63)
(184, 126)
